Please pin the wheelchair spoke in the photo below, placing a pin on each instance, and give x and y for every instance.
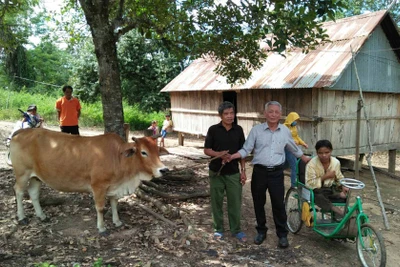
(370, 247)
(293, 210)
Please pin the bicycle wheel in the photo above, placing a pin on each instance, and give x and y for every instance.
(8, 160)
(293, 210)
(370, 247)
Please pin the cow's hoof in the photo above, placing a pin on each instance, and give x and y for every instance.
(104, 233)
(119, 224)
(24, 221)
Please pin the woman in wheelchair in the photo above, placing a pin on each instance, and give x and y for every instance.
(323, 175)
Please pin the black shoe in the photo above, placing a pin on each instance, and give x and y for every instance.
(260, 238)
(283, 242)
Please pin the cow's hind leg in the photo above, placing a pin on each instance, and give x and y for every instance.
(114, 209)
(21, 183)
(34, 192)
(99, 196)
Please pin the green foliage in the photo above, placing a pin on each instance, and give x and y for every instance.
(91, 116)
(357, 7)
(233, 32)
(14, 17)
(48, 65)
(85, 77)
(138, 120)
(14, 32)
(146, 67)
(230, 32)
(11, 101)
(23, 62)
(16, 66)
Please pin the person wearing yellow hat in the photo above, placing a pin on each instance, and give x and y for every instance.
(291, 122)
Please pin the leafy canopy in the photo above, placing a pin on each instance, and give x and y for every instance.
(231, 32)
(357, 7)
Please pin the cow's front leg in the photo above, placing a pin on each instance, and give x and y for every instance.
(34, 192)
(99, 200)
(114, 209)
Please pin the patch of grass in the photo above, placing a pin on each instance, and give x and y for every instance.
(91, 114)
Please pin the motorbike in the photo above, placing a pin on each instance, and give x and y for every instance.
(29, 121)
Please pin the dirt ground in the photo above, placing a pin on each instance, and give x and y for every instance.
(70, 236)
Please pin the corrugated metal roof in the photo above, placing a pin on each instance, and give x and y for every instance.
(319, 68)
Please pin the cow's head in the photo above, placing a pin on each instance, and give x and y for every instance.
(145, 156)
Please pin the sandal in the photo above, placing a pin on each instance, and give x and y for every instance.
(218, 236)
(241, 237)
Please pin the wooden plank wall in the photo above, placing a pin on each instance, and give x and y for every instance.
(338, 110)
(325, 114)
(194, 112)
(250, 105)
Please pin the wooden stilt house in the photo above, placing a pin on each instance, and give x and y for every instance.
(322, 86)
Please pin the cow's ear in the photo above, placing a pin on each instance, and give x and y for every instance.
(129, 152)
(162, 151)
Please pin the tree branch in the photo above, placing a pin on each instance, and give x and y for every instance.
(158, 216)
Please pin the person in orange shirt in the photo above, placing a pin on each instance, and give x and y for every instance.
(68, 111)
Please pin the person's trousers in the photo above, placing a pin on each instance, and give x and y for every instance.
(70, 129)
(273, 181)
(292, 161)
(219, 185)
(323, 197)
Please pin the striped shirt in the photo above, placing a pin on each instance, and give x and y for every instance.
(269, 146)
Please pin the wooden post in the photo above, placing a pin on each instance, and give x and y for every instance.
(126, 130)
(361, 159)
(358, 130)
(181, 138)
(392, 161)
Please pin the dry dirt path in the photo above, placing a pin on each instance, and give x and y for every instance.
(71, 236)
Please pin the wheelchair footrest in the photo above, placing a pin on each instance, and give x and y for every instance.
(325, 221)
(327, 230)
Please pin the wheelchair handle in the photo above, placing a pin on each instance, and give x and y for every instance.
(352, 183)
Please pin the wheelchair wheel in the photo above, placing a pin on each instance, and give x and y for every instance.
(293, 210)
(370, 247)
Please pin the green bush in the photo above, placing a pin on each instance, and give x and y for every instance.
(139, 120)
(91, 116)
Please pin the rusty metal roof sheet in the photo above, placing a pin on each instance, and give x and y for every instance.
(319, 68)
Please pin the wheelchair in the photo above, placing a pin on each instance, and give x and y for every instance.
(301, 209)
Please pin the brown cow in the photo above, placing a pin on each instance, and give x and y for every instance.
(103, 165)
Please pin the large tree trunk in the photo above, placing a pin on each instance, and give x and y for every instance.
(105, 43)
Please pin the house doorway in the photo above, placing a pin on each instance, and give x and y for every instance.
(231, 96)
